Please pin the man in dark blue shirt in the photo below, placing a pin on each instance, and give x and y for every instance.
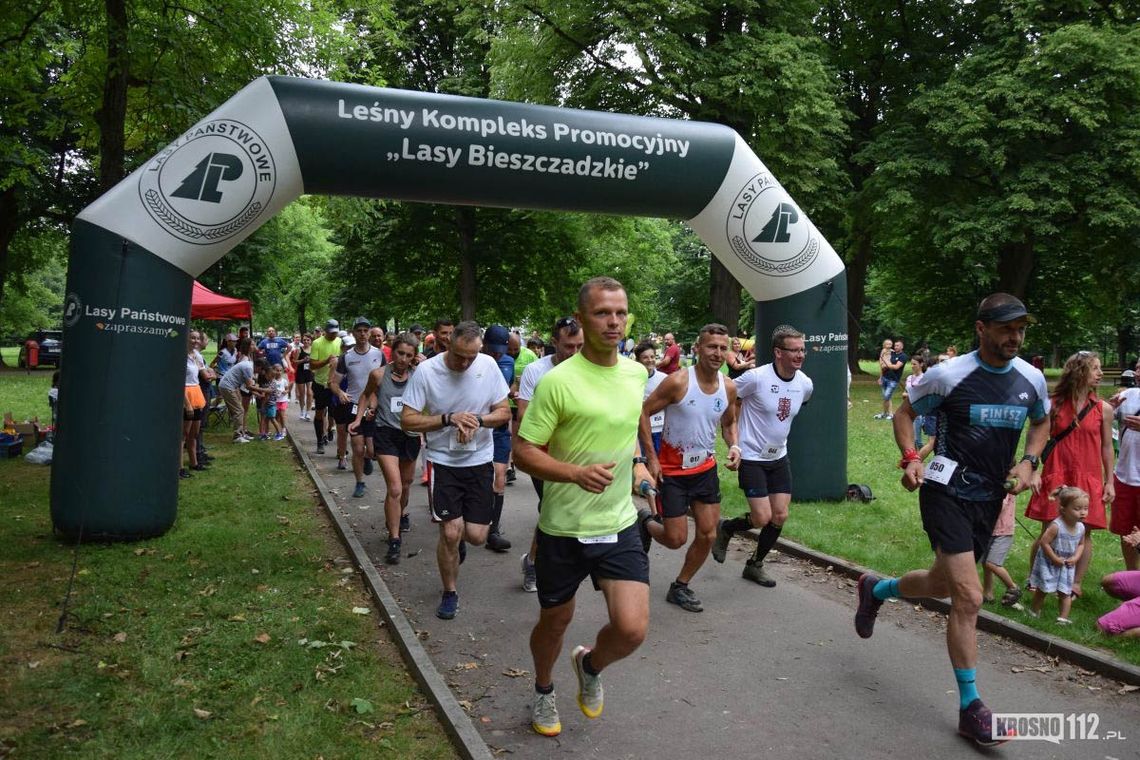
(983, 399)
(273, 348)
(496, 342)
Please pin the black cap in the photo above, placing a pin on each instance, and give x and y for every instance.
(332, 324)
(1010, 309)
(416, 328)
(361, 322)
(496, 339)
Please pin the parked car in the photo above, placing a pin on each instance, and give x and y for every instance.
(51, 348)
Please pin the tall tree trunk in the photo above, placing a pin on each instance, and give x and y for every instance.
(1015, 267)
(112, 114)
(724, 296)
(301, 324)
(9, 223)
(856, 292)
(1125, 334)
(466, 224)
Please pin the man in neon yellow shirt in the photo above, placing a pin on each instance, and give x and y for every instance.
(324, 349)
(579, 435)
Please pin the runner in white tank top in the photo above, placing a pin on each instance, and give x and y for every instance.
(695, 401)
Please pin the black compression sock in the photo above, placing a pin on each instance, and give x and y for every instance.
(737, 524)
(768, 535)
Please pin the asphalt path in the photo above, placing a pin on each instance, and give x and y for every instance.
(761, 672)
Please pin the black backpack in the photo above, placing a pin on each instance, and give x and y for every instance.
(859, 492)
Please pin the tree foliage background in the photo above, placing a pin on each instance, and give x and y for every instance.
(946, 149)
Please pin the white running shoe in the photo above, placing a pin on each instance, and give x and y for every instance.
(590, 696)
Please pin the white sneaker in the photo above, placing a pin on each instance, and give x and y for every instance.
(544, 715)
(590, 695)
(240, 439)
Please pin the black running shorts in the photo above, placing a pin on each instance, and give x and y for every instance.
(956, 526)
(321, 396)
(563, 562)
(390, 442)
(758, 479)
(466, 492)
(679, 491)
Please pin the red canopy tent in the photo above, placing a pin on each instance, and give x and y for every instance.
(206, 304)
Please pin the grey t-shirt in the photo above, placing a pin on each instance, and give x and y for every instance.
(237, 376)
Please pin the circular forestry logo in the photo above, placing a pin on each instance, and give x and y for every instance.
(211, 183)
(767, 231)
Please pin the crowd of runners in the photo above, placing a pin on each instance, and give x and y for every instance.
(619, 440)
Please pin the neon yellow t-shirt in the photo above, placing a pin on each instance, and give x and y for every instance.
(587, 414)
(323, 348)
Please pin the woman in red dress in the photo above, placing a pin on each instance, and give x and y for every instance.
(1083, 457)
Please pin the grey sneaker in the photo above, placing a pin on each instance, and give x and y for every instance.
(867, 608)
(755, 572)
(590, 696)
(530, 580)
(683, 597)
(544, 715)
(720, 545)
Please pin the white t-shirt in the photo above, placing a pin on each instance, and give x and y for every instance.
(357, 366)
(1128, 463)
(768, 406)
(193, 365)
(532, 374)
(657, 421)
(435, 389)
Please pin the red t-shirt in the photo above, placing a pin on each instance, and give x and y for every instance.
(672, 360)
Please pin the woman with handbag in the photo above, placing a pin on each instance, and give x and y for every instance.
(1079, 452)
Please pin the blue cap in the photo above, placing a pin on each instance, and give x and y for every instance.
(496, 339)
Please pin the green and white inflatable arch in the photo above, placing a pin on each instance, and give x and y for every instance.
(136, 250)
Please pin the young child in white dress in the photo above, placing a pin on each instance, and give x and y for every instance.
(1060, 548)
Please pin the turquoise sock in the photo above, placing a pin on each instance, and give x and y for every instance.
(887, 588)
(967, 689)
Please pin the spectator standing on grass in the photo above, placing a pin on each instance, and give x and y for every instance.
(1126, 476)
(1079, 454)
(993, 563)
(891, 376)
(193, 403)
(1124, 584)
(735, 361)
(918, 364)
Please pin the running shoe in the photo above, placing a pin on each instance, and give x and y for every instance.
(448, 606)
(1011, 597)
(755, 572)
(590, 696)
(405, 523)
(530, 579)
(358, 491)
(393, 555)
(367, 466)
(544, 715)
(341, 463)
(263, 437)
(868, 608)
(880, 416)
(240, 439)
(511, 476)
(720, 545)
(976, 722)
(497, 543)
(184, 474)
(279, 437)
(683, 597)
(320, 445)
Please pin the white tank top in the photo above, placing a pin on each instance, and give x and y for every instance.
(688, 441)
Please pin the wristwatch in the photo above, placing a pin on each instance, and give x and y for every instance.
(1033, 459)
(479, 419)
(640, 460)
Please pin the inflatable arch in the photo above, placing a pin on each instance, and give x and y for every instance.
(136, 250)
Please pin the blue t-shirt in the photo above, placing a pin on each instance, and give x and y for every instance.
(273, 349)
(982, 410)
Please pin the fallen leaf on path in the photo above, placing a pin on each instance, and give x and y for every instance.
(515, 672)
(1127, 689)
(362, 705)
(466, 666)
(466, 705)
(262, 638)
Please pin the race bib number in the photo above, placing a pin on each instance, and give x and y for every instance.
(657, 421)
(610, 539)
(355, 407)
(693, 456)
(771, 451)
(397, 404)
(454, 444)
(940, 469)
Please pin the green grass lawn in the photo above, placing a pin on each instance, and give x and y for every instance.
(887, 534)
(234, 635)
